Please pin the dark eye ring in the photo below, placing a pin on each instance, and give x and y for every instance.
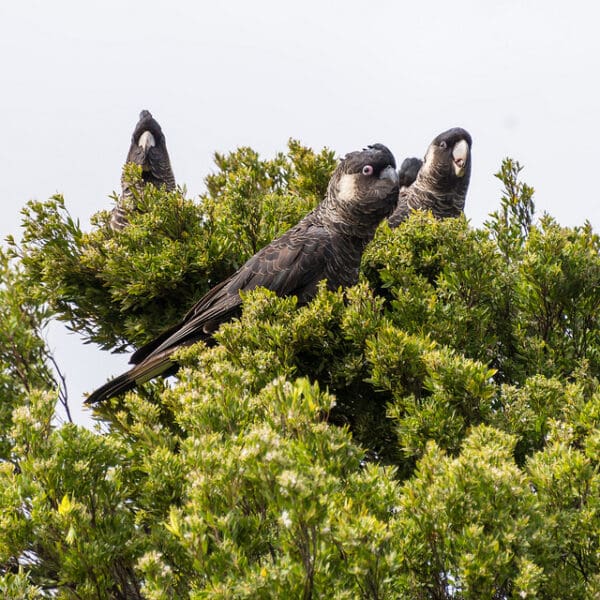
(367, 170)
(443, 145)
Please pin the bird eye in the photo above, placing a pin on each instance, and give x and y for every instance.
(443, 145)
(367, 170)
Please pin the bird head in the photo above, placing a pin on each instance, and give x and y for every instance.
(448, 159)
(364, 187)
(409, 169)
(147, 135)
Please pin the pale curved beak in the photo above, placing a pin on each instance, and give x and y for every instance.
(460, 155)
(389, 173)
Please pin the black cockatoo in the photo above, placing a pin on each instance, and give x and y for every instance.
(148, 150)
(326, 244)
(442, 181)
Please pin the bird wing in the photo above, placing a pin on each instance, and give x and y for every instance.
(291, 265)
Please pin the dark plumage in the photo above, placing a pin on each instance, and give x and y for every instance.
(442, 182)
(327, 244)
(408, 171)
(148, 150)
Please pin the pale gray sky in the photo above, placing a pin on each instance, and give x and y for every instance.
(522, 77)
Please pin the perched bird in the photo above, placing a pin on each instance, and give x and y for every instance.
(442, 181)
(327, 244)
(148, 150)
(408, 171)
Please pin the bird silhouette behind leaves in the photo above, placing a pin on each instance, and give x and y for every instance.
(148, 150)
(408, 171)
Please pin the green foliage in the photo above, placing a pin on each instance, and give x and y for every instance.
(535, 315)
(466, 525)
(122, 289)
(16, 586)
(567, 484)
(22, 350)
(24, 357)
(511, 224)
(432, 432)
(252, 201)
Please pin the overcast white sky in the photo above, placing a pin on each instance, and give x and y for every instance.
(522, 77)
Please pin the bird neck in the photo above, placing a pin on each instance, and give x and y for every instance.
(356, 221)
(440, 189)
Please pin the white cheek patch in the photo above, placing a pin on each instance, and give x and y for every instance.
(346, 189)
(146, 140)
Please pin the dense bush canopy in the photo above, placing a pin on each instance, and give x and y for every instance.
(432, 432)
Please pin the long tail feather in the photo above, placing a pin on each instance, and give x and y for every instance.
(114, 387)
(161, 364)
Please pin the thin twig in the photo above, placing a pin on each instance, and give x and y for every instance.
(63, 395)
